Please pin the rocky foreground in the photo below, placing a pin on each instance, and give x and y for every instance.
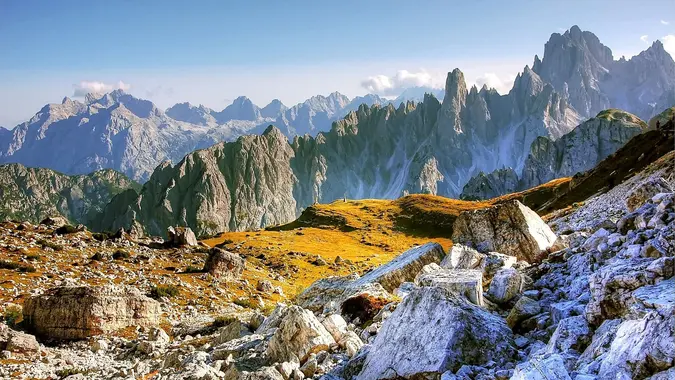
(589, 294)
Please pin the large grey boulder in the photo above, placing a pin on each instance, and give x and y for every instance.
(83, 311)
(299, 334)
(505, 285)
(510, 228)
(433, 331)
(17, 342)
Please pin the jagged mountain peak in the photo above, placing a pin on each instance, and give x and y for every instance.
(190, 113)
(242, 108)
(274, 109)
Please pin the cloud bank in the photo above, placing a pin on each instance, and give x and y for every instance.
(394, 85)
(86, 87)
(669, 44)
(502, 85)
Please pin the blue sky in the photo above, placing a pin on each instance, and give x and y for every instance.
(210, 52)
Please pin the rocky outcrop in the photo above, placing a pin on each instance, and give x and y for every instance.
(180, 236)
(433, 331)
(81, 312)
(241, 185)
(329, 294)
(510, 228)
(577, 151)
(224, 265)
(17, 342)
(404, 267)
(491, 185)
(30, 194)
(581, 149)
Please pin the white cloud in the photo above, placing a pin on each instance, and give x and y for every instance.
(394, 85)
(503, 85)
(664, 22)
(86, 87)
(644, 38)
(669, 44)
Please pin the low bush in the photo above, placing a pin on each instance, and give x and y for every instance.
(24, 268)
(120, 254)
(100, 236)
(160, 291)
(193, 269)
(49, 244)
(64, 230)
(13, 315)
(98, 256)
(222, 321)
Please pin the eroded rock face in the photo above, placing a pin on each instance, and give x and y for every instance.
(223, 264)
(644, 191)
(299, 334)
(84, 311)
(510, 228)
(433, 331)
(641, 347)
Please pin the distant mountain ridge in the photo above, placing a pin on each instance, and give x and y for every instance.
(576, 79)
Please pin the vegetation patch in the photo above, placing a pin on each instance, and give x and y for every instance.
(120, 254)
(48, 244)
(66, 229)
(160, 291)
(364, 307)
(21, 267)
(13, 315)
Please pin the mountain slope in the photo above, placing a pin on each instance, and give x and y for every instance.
(34, 194)
(577, 151)
(238, 185)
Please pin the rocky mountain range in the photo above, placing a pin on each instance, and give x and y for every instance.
(32, 195)
(581, 68)
(131, 135)
(376, 152)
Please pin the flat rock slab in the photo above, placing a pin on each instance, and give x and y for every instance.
(464, 282)
(78, 312)
(404, 267)
(328, 294)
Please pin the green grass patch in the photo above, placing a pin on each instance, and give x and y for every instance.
(160, 291)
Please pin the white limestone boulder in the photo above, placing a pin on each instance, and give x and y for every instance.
(433, 331)
(510, 228)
